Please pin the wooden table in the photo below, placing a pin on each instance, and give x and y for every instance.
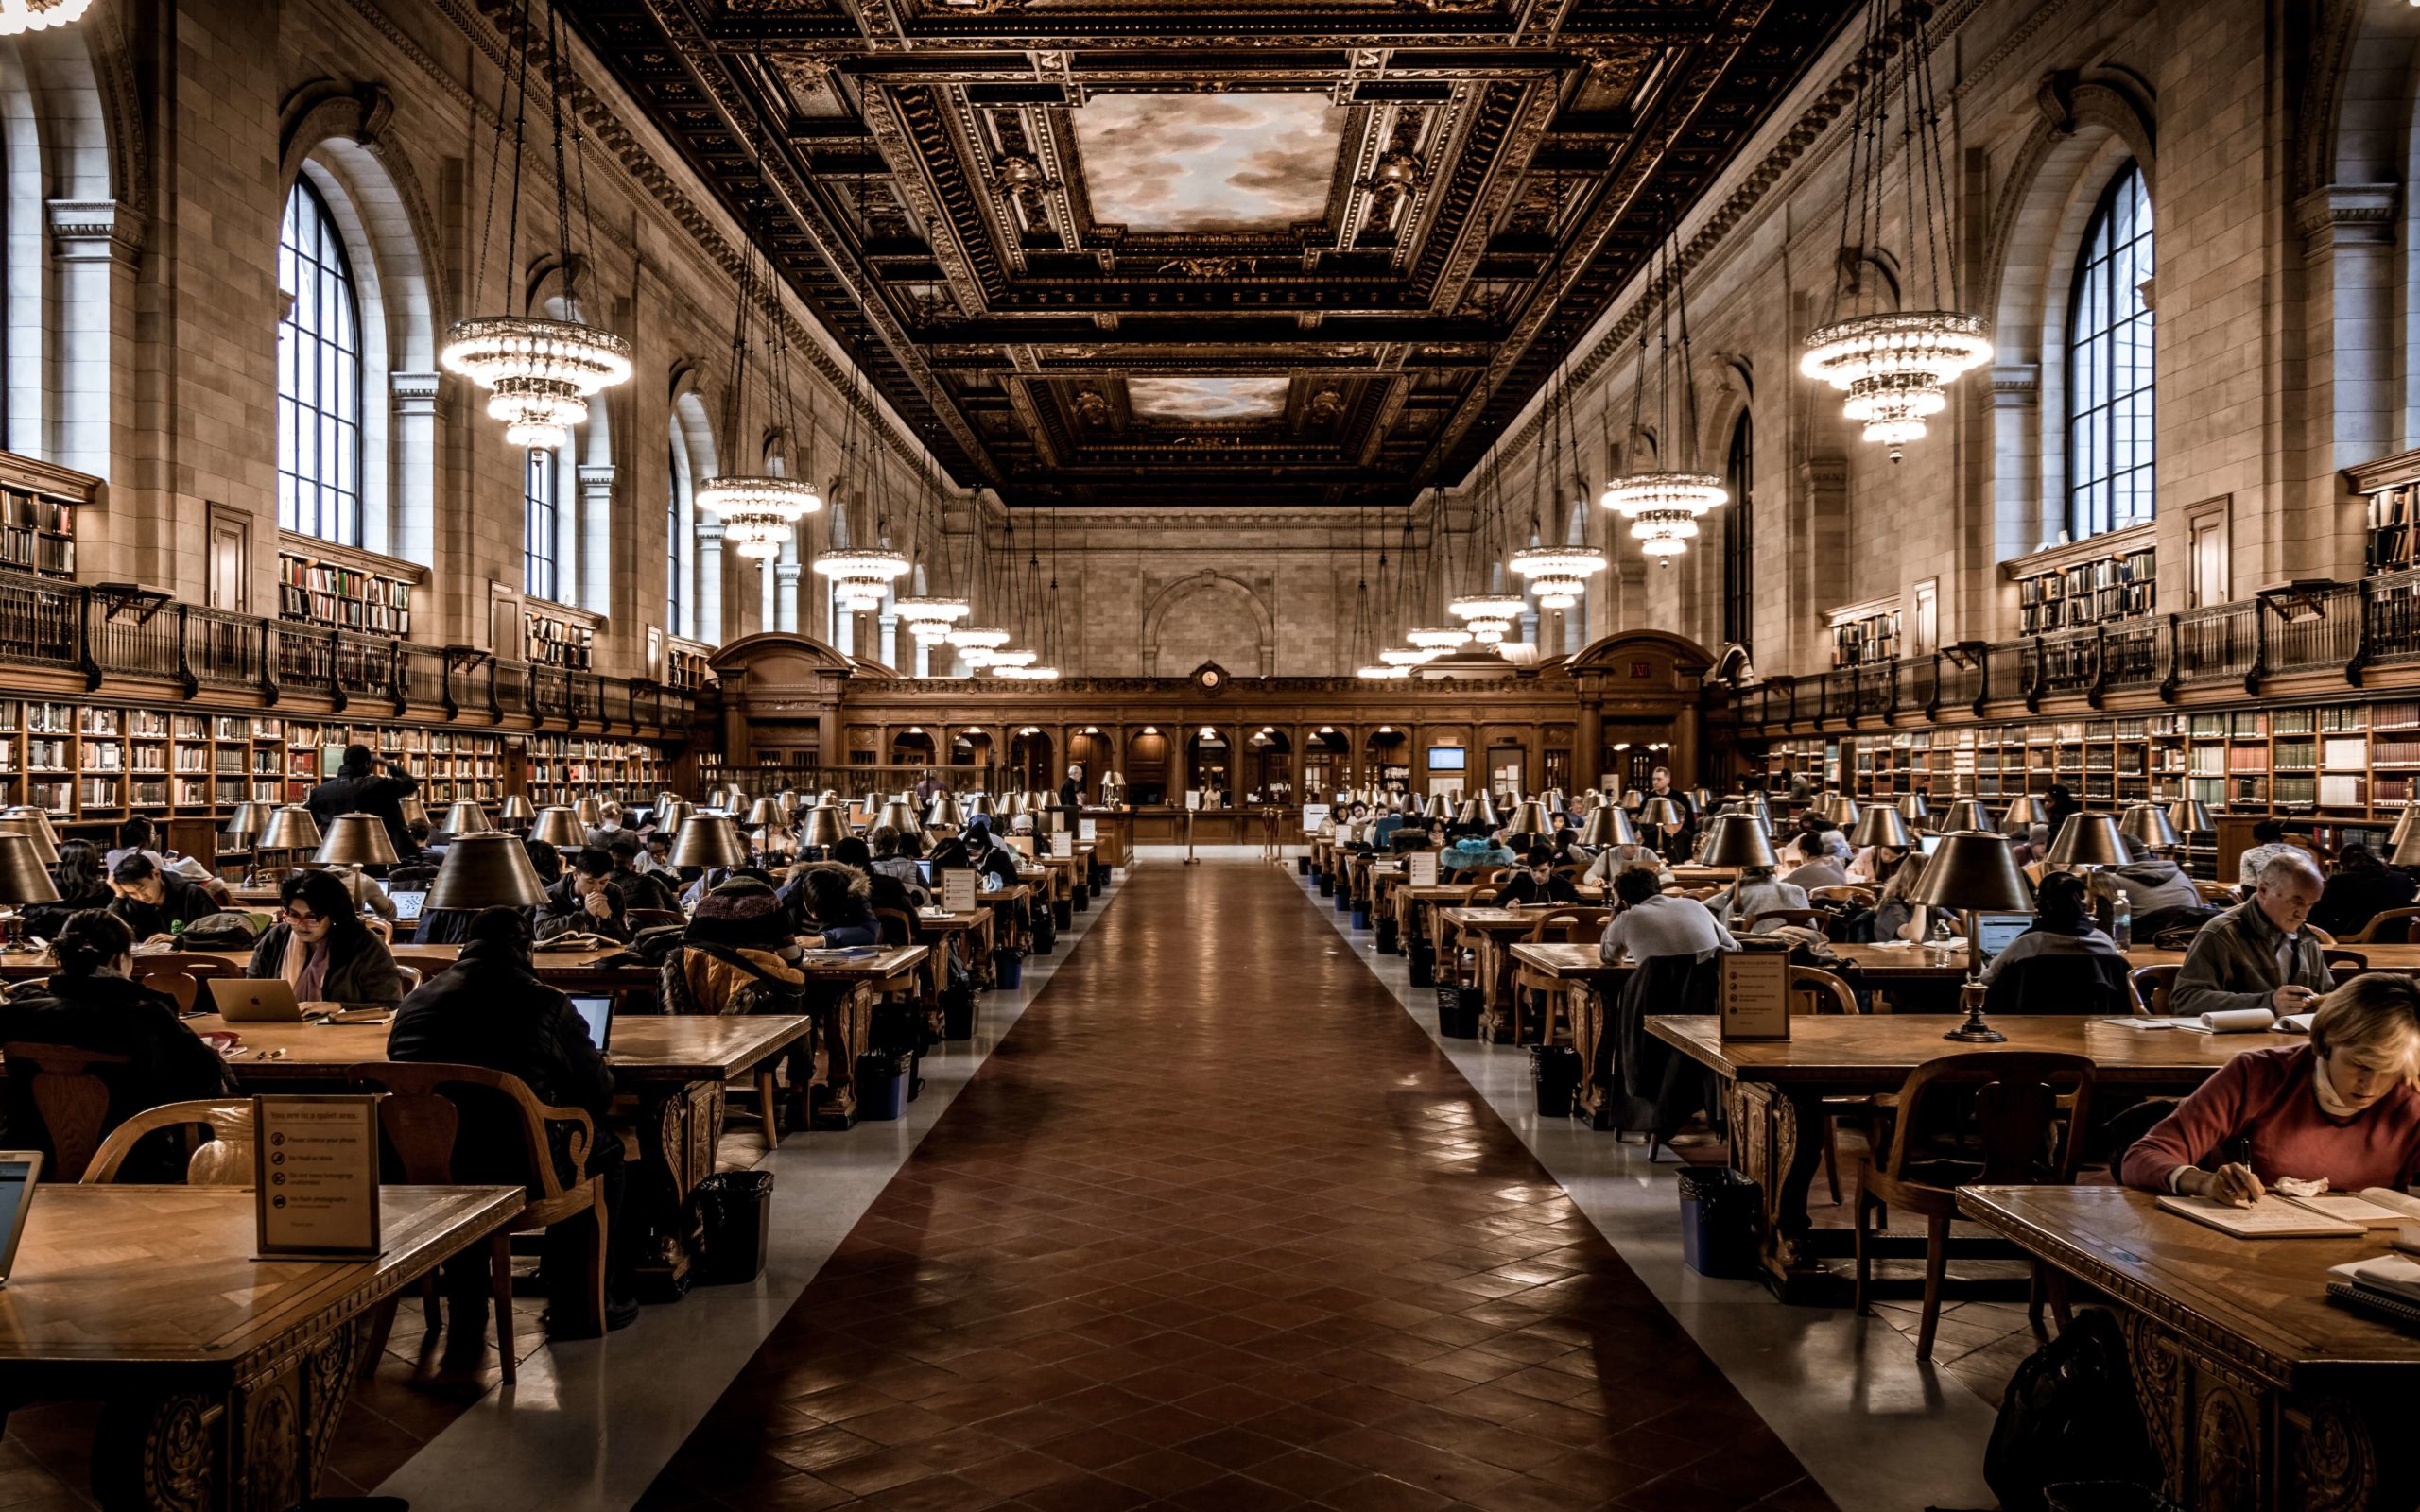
(844, 1022)
(1418, 910)
(1069, 889)
(971, 932)
(1492, 934)
(222, 1378)
(571, 970)
(2260, 1392)
(1008, 906)
(1774, 1093)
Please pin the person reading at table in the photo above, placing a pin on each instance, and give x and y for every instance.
(154, 903)
(986, 854)
(1897, 913)
(885, 887)
(830, 901)
(1652, 922)
(92, 1004)
(2257, 955)
(1826, 866)
(490, 1008)
(2362, 888)
(82, 883)
(1616, 859)
(2342, 1106)
(583, 901)
(1756, 892)
(1537, 881)
(323, 950)
(886, 858)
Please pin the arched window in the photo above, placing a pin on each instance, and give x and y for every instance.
(2109, 365)
(540, 526)
(672, 537)
(318, 377)
(1740, 536)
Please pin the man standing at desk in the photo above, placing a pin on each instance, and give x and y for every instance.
(356, 788)
(1071, 794)
(2257, 955)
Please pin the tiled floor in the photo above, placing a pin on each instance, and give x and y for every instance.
(1216, 1226)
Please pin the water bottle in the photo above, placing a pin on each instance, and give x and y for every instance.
(2122, 921)
(1941, 947)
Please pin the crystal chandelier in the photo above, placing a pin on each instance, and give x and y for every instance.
(1382, 672)
(1488, 616)
(1892, 363)
(1396, 657)
(1558, 574)
(862, 577)
(1025, 674)
(1018, 659)
(1439, 638)
(539, 372)
(929, 619)
(1664, 506)
(18, 17)
(759, 511)
(975, 643)
(758, 514)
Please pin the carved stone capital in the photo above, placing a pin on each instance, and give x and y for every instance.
(595, 480)
(95, 230)
(417, 393)
(2015, 384)
(2346, 215)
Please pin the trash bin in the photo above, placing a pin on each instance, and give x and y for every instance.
(1717, 1221)
(957, 1013)
(1387, 934)
(1344, 899)
(882, 1085)
(2103, 1496)
(1555, 1072)
(1327, 883)
(1360, 918)
(1008, 968)
(1303, 865)
(1458, 1012)
(733, 1210)
(1424, 963)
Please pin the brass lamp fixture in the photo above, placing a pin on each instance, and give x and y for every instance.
(1530, 819)
(486, 871)
(2405, 851)
(766, 814)
(2190, 817)
(1633, 798)
(40, 821)
(559, 827)
(24, 879)
(824, 826)
(43, 850)
(516, 809)
(1735, 840)
(2150, 826)
(469, 818)
(2024, 813)
(1760, 811)
(1479, 809)
(1661, 814)
(1967, 814)
(979, 804)
(412, 810)
(672, 814)
(1607, 826)
(1882, 826)
(589, 812)
(1972, 871)
(1913, 809)
(1838, 807)
(356, 840)
(706, 840)
(290, 827)
(944, 813)
(899, 813)
(2087, 840)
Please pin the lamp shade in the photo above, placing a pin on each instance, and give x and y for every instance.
(244, 823)
(979, 803)
(2405, 851)
(24, 879)
(1607, 826)
(516, 806)
(1838, 807)
(1968, 814)
(706, 840)
(2190, 817)
(2088, 840)
(356, 840)
(1761, 812)
(1530, 819)
(1735, 840)
(1913, 808)
(1477, 809)
(588, 811)
(1633, 798)
(289, 828)
(765, 812)
(412, 809)
(559, 827)
(2024, 813)
(486, 871)
(468, 818)
(1972, 869)
(44, 852)
(1662, 813)
(824, 826)
(2149, 825)
(1879, 825)
(42, 820)
(899, 813)
(944, 813)
(670, 814)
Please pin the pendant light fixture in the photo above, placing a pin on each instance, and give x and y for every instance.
(759, 511)
(1558, 574)
(539, 372)
(930, 617)
(861, 575)
(17, 17)
(1488, 615)
(1664, 504)
(1893, 363)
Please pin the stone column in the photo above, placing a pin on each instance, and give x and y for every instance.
(709, 586)
(887, 638)
(89, 389)
(2023, 514)
(786, 592)
(594, 538)
(2352, 355)
(416, 416)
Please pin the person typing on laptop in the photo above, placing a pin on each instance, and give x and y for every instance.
(2063, 928)
(323, 950)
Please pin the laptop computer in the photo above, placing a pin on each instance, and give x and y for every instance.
(598, 1013)
(408, 904)
(241, 999)
(19, 1171)
(1994, 932)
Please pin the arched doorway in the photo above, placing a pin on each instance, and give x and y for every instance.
(1272, 764)
(1029, 762)
(1146, 767)
(1209, 766)
(972, 746)
(1095, 752)
(1327, 764)
(1386, 760)
(912, 747)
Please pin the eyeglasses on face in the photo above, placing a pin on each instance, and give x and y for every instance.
(301, 916)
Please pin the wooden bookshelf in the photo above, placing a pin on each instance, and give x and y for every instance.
(566, 768)
(1865, 633)
(317, 590)
(2391, 489)
(555, 642)
(2110, 577)
(39, 504)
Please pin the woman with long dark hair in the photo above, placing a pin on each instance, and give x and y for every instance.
(322, 948)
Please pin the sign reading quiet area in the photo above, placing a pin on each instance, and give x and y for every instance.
(314, 1166)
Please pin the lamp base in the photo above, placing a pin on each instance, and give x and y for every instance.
(1974, 1031)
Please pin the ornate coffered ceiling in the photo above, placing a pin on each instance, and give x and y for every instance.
(1202, 252)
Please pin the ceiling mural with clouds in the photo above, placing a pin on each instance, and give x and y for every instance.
(1208, 162)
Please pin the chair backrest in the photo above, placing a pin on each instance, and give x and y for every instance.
(1483, 897)
(166, 976)
(1861, 897)
(2151, 985)
(2068, 985)
(216, 1161)
(200, 967)
(2318, 934)
(1500, 875)
(423, 1116)
(653, 917)
(895, 926)
(2345, 960)
(70, 1089)
(1814, 918)
(2020, 1123)
(2388, 926)
(1820, 991)
(427, 963)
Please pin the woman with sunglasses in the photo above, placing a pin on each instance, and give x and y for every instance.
(323, 950)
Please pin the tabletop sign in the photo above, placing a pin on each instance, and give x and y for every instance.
(1420, 868)
(1087, 830)
(315, 1177)
(958, 889)
(1057, 821)
(1756, 994)
(1193, 798)
(1315, 814)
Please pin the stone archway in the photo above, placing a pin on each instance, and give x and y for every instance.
(1219, 611)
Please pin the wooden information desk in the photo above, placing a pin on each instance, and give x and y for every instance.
(222, 1378)
(2260, 1392)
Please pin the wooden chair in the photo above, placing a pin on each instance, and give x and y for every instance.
(1860, 897)
(223, 1124)
(1814, 918)
(426, 964)
(2397, 922)
(896, 926)
(1569, 926)
(2152, 985)
(2011, 1107)
(166, 977)
(653, 918)
(2318, 934)
(2344, 961)
(1813, 989)
(2215, 892)
(70, 1089)
(424, 1126)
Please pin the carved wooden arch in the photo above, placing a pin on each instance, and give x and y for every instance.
(734, 655)
(2109, 103)
(1207, 579)
(1684, 652)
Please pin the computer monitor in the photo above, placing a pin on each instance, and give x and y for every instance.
(19, 1170)
(1994, 932)
(598, 1013)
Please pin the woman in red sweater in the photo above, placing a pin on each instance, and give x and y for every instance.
(2343, 1107)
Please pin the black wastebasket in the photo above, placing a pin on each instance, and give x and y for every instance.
(1717, 1221)
(734, 1210)
(1424, 963)
(1303, 865)
(1555, 1072)
(1387, 934)
(1458, 1012)
(1327, 884)
(957, 1013)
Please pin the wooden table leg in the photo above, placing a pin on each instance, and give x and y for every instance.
(1777, 1141)
(843, 1027)
(679, 1125)
(1498, 1022)
(1591, 1098)
(261, 1446)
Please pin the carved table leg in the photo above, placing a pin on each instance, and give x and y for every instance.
(843, 1027)
(679, 1125)
(1588, 1099)
(164, 1452)
(1777, 1141)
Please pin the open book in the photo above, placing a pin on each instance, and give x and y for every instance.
(2272, 1217)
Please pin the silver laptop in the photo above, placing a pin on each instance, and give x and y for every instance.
(1994, 932)
(598, 1013)
(242, 1000)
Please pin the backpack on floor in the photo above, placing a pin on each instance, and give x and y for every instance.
(2070, 1415)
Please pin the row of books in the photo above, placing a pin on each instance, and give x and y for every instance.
(347, 598)
(2108, 588)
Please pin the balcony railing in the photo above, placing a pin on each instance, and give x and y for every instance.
(2342, 627)
(100, 633)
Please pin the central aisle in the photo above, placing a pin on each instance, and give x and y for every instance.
(1216, 1226)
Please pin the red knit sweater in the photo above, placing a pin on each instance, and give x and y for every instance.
(2263, 1099)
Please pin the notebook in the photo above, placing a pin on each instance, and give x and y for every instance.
(2272, 1217)
(598, 1013)
(241, 999)
(19, 1171)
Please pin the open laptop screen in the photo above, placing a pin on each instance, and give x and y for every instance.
(1994, 932)
(598, 1013)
